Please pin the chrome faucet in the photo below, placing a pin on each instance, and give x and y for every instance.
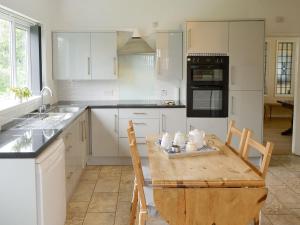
(43, 106)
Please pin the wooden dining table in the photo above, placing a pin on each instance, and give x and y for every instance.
(217, 188)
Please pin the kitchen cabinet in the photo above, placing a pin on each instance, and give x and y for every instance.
(217, 126)
(246, 49)
(85, 56)
(207, 37)
(246, 108)
(71, 56)
(173, 120)
(76, 153)
(169, 55)
(104, 130)
(104, 63)
(32, 190)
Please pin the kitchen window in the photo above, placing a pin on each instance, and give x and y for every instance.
(14, 56)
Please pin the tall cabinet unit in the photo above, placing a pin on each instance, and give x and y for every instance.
(246, 49)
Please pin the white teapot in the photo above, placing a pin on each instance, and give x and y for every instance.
(197, 137)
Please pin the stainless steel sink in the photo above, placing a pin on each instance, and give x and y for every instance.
(65, 109)
(43, 120)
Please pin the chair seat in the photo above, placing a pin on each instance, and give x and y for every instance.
(146, 172)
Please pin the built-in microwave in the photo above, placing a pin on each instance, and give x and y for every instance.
(207, 86)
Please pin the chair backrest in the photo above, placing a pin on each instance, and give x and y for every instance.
(265, 151)
(137, 166)
(233, 131)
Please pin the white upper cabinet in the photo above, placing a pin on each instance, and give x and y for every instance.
(246, 49)
(169, 54)
(104, 55)
(207, 37)
(85, 56)
(71, 55)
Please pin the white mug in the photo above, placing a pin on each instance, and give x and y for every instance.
(197, 137)
(190, 146)
(179, 139)
(166, 141)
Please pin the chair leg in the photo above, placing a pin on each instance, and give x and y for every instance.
(257, 220)
(142, 218)
(134, 204)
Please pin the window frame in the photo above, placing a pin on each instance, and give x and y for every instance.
(16, 23)
(295, 58)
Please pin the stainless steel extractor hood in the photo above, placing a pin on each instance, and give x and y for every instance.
(136, 45)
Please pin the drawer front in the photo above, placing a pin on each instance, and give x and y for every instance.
(138, 113)
(142, 127)
(124, 147)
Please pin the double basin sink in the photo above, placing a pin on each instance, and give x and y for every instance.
(51, 119)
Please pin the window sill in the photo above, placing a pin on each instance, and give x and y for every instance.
(8, 105)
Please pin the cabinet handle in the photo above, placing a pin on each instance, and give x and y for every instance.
(232, 106)
(189, 38)
(139, 113)
(70, 175)
(163, 122)
(89, 66)
(82, 131)
(116, 121)
(139, 123)
(191, 127)
(85, 135)
(115, 65)
(158, 62)
(232, 76)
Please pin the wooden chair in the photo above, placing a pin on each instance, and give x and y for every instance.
(141, 192)
(232, 130)
(265, 151)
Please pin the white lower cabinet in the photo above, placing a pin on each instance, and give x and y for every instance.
(104, 124)
(124, 147)
(217, 126)
(173, 120)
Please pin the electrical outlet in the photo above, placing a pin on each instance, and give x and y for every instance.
(163, 93)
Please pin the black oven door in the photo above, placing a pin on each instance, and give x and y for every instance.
(207, 101)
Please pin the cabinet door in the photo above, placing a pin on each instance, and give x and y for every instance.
(207, 37)
(71, 56)
(246, 49)
(104, 55)
(216, 126)
(246, 108)
(169, 55)
(173, 120)
(104, 132)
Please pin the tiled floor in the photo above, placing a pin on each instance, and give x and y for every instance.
(104, 193)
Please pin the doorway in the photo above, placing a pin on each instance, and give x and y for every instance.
(280, 69)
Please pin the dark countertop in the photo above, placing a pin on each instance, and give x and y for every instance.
(122, 104)
(29, 143)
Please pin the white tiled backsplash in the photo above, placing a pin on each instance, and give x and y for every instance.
(136, 81)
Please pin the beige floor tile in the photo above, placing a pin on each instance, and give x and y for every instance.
(273, 206)
(83, 192)
(284, 220)
(108, 184)
(296, 212)
(103, 202)
(286, 196)
(264, 220)
(77, 207)
(95, 168)
(99, 219)
(273, 180)
(111, 171)
(90, 175)
(122, 214)
(125, 196)
(75, 218)
(126, 185)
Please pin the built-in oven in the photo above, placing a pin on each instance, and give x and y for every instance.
(207, 86)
